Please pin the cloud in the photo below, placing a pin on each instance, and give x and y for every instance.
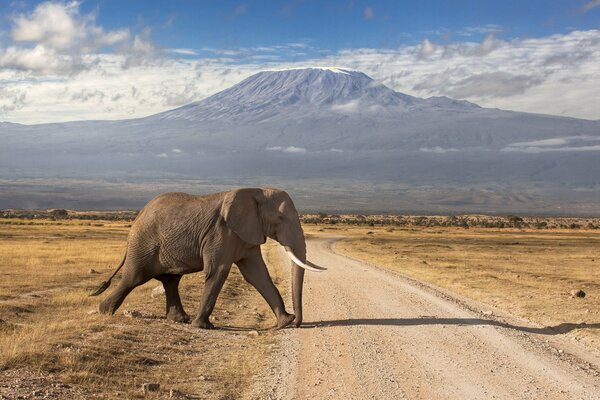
(86, 71)
(496, 84)
(141, 51)
(55, 38)
(290, 149)
(590, 5)
(553, 149)
(11, 100)
(85, 95)
(568, 64)
(480, 30)
(294, 149)
(437, 149)
(488, 45)
(542, 143)
(347, 108)
(568, 143)
(427, 48)
(177, 150)
(54, 25)
(40, 59)
(184, 52)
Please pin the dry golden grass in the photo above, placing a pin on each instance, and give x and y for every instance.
(529, 273)
(46, 327)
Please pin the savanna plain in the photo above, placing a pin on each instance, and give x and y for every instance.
(54, 344)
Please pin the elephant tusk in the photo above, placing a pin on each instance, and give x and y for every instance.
(310, 266)
(316, 266)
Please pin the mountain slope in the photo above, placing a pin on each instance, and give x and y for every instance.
(300, 126)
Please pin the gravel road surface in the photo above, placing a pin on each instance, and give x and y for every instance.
(373, 334)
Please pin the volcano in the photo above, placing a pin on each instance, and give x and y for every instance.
(333, 130)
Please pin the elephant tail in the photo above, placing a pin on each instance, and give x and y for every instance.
(104, 285)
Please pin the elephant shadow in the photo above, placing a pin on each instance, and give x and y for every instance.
(547, 330)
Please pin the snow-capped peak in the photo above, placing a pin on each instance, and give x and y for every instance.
(337, 70)
(301, 89)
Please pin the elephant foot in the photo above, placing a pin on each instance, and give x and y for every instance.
(284, 321)
(202, 324)
(106, 308)
(178, 316)
(297, 321)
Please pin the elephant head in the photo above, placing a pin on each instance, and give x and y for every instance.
(254, 214)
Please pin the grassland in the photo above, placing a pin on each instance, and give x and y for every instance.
(53, 343)
(527, 272)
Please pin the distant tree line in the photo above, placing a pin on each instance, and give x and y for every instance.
(61, 214)
(462, 221)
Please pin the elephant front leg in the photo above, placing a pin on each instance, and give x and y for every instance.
(254, 270)
(212, 287)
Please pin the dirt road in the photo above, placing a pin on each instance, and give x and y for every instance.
(373, 334)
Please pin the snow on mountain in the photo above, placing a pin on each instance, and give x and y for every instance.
(317, 123)
(298, 90)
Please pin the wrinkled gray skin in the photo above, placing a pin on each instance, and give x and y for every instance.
(178, 233)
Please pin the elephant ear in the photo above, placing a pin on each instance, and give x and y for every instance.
(240, 210)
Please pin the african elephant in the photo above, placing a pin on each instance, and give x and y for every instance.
(178, 233)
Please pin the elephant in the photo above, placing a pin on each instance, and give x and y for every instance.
(179, 233)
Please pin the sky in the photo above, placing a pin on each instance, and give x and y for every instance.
(108, 59)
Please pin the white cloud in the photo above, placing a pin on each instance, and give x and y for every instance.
(552, 149)
(480, 29)
(184, 52)
(427, 48)
(54, 25)
(11, 100)
(177, 150)
(492, 84)
(294, 149)
(162, 155)
(489, 44)
(290, 149)
(84, 71)
(557, 74)
(110, 38)
(41, 59)
(567, 143)
(346, 108)
(542, 143)
(54, 38)
(436, 149)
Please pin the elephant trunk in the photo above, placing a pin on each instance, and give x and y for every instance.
(295, 248)
(298, 283)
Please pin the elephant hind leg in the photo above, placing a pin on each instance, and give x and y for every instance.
(128, 282)
(212, 287)
(175, 310)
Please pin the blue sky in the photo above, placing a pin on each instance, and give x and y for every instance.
(64, 60)
(333, 25)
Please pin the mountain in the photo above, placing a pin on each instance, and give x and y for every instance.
(325, 134)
